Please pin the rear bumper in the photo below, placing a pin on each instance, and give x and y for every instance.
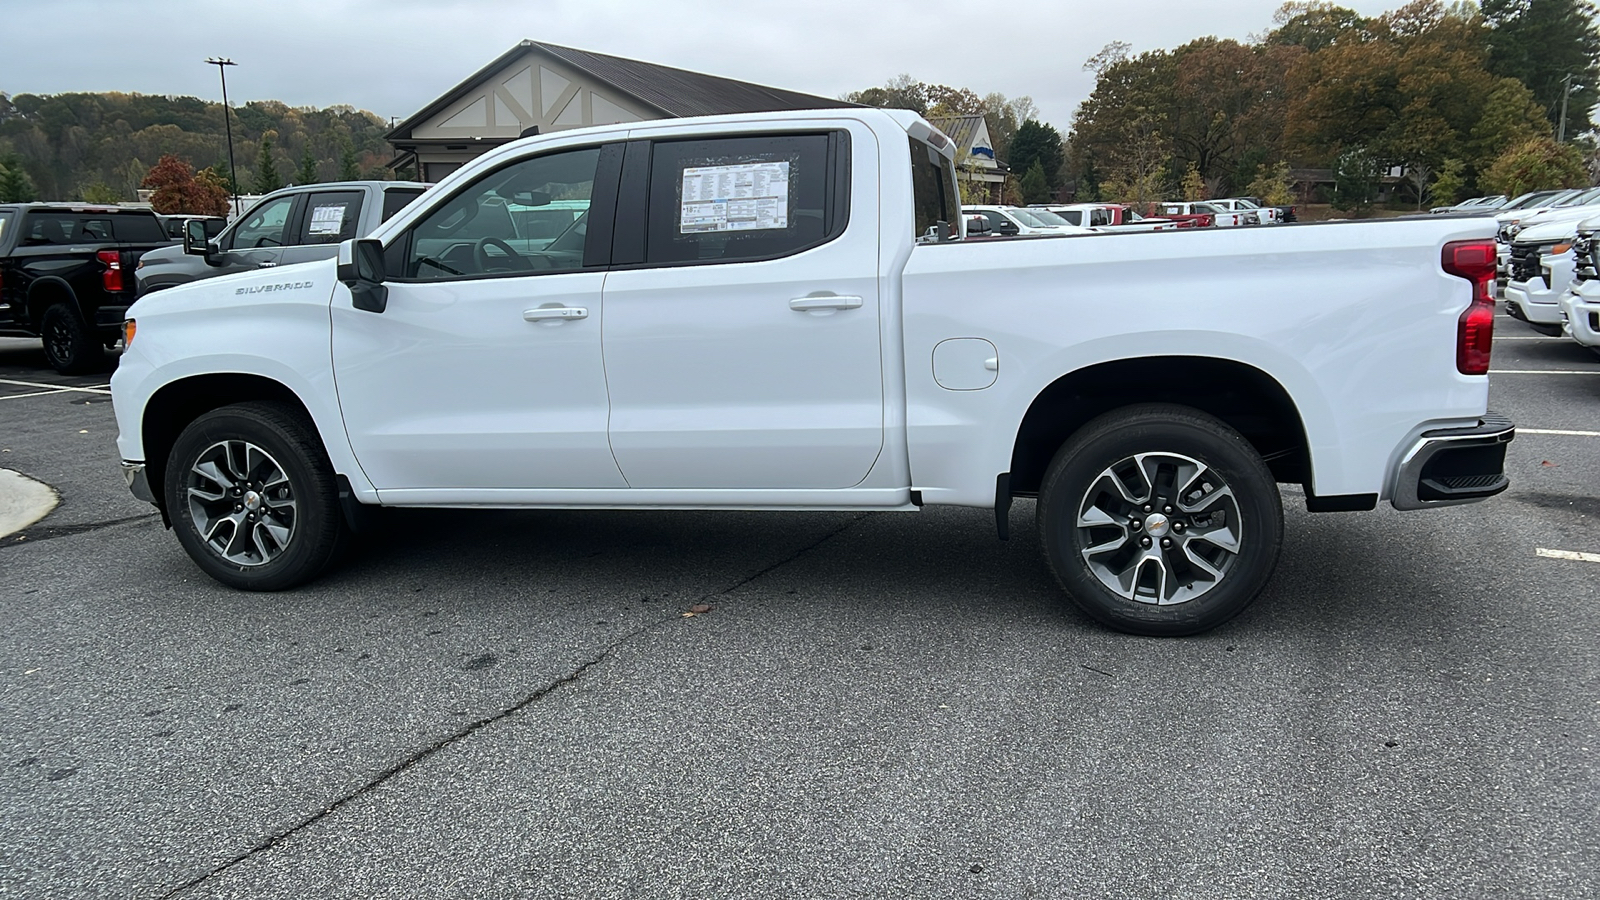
(1452, 466)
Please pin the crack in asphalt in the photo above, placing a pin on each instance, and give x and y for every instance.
(468, 730)
(35, 535)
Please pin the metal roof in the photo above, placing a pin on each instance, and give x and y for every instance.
(675, 92)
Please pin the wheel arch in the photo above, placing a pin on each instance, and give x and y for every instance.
(45, 292)
(171, 408)
(1251, 401)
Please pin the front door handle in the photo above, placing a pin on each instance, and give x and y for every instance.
(555, 312)
(803, 304)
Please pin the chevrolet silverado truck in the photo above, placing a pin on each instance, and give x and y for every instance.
(292, 225)
(1580, 306)
(1541, 268)
(66, 276)
(779, 311)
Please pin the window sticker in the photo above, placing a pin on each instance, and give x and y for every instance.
(745, 197)
(326, 219)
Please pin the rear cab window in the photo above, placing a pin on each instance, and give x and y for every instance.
(934, 198)
(396, 199)
(65, 227)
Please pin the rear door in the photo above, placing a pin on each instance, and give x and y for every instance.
(742, 313)
(324, 220)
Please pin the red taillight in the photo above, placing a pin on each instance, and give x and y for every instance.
(111, 278)
(1207, 220)
(1474, 261)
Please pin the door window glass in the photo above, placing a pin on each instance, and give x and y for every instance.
(742, 198)
(264, 225)
(5, 220)
(530, 217)
(331, 217)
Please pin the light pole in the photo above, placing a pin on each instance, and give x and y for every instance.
(1566, 93)
(227, 123)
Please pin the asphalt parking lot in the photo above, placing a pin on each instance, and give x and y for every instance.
(521, 704)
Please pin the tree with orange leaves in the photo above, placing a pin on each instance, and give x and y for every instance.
(178, 191)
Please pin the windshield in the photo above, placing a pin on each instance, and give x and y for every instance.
(1581, 198)
(1528, 199)
(1207, 208)
(1244, 204)
(1048, 217)
(1027, 217)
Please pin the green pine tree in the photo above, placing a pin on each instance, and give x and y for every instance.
(1035, 189)
(15, 185)
(267, 178)
(308, 168)
(349, 168)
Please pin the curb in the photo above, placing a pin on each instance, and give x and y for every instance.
(23, 501)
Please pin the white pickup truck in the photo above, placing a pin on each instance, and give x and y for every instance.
(778, 311)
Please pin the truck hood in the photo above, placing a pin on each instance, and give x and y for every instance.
(243, 289)
(1561, 217)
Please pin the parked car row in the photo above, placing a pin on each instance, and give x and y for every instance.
(69, 271)
(1547, 265)
(984, 221)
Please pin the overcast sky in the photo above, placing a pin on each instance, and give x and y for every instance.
(394, 56)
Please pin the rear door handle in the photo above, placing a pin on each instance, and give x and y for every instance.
(803, 304)
(555, 312)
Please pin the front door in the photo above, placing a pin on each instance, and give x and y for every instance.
(742, 341)
(484, 372)
(258, 239)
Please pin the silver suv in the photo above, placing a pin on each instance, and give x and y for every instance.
(293, 225)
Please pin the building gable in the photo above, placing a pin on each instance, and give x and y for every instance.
(531, 89)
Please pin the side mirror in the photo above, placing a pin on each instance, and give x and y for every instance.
(195, 239)
(977, 225)
(361, 270)
(1008, 228)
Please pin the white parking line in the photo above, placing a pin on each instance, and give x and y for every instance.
(1544, 371)
(1558, 431)
(33, 394)
(98, 389)
(1568, 554)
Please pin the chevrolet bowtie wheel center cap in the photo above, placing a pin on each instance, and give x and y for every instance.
(1157, 525)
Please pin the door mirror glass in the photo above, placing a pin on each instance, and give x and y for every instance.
(195, 239)
(361, 270)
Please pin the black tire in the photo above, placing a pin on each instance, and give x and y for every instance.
(1151, 451)
(260, 539)
(70, 346)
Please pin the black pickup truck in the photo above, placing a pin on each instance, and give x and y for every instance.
(66, 275)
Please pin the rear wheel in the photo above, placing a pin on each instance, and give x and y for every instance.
(253, 497)
(1160, 520)
(70, 346)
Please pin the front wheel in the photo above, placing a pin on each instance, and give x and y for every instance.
(1160, 520)
(253, 498)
